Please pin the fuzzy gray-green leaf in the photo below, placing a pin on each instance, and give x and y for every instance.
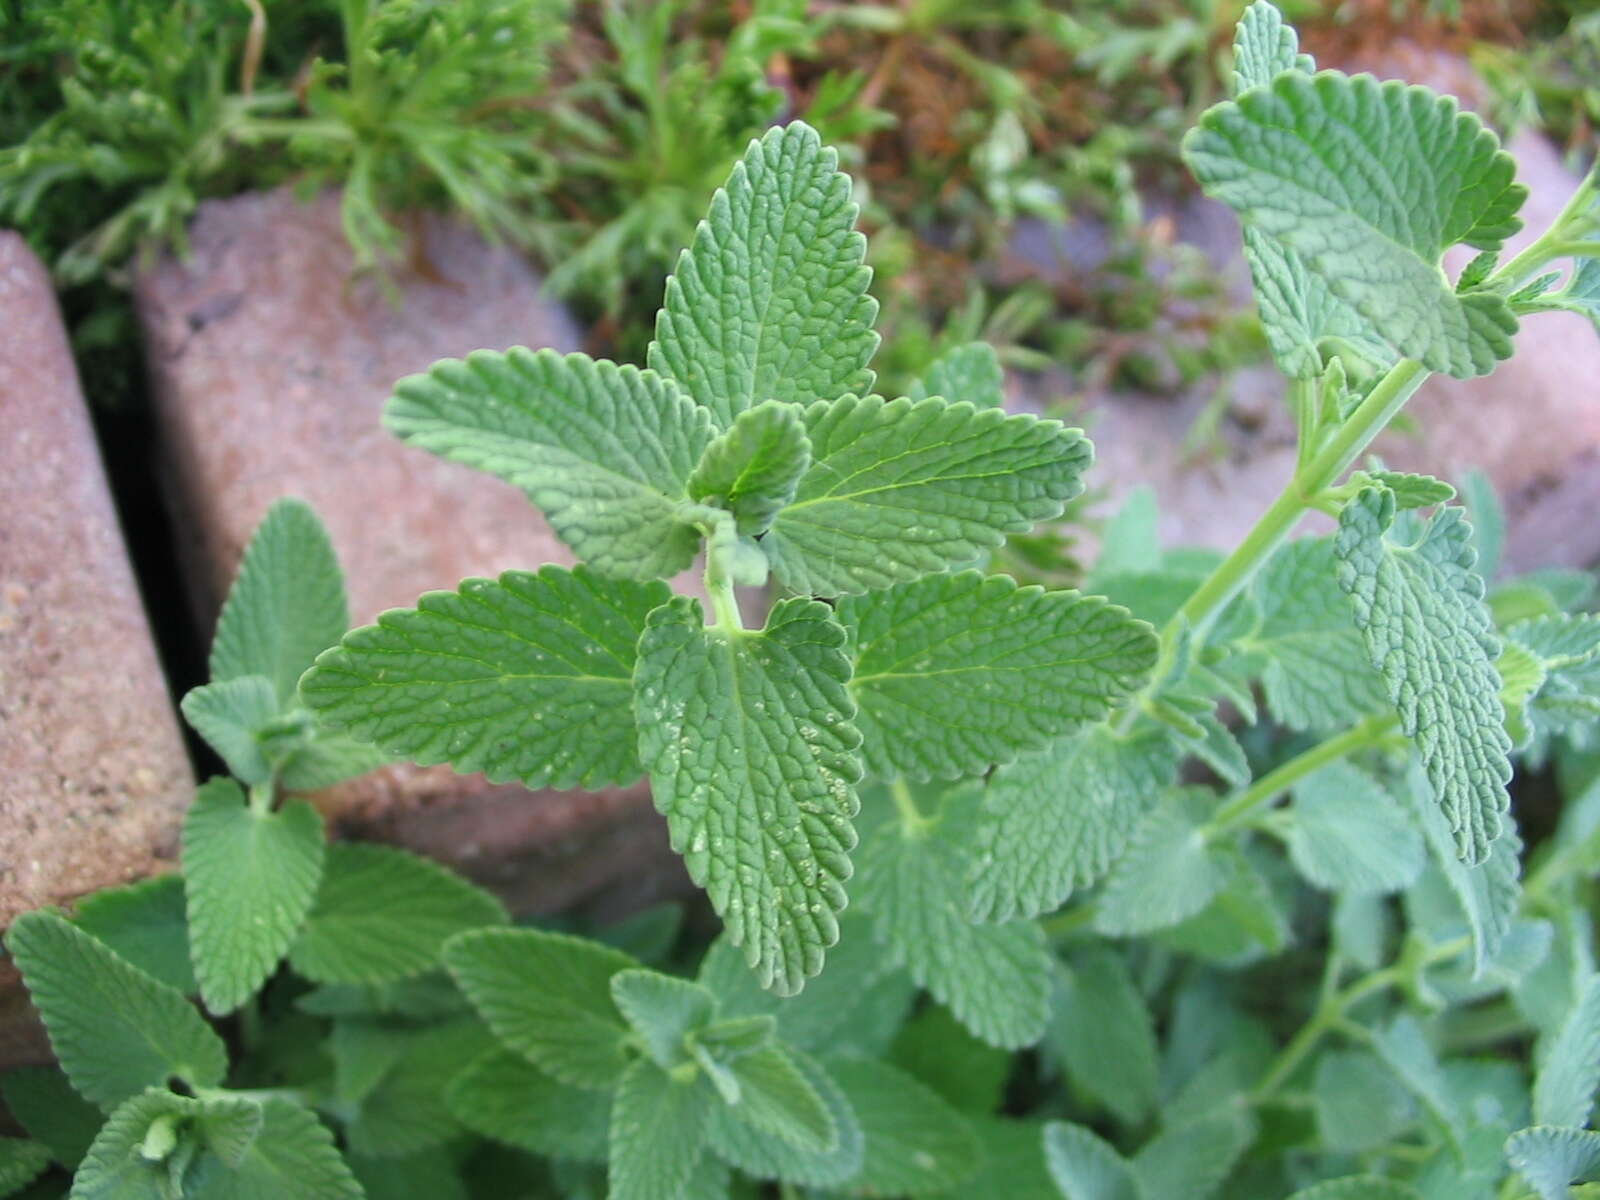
(770, 300)
(955, 673)
(1265, 45)
(1347, 834)
(1168, 873)
(900, 489)
(753, 468)
(1420, 609)
(753, 758)
(969, 372)
(657, 1134)
(603, 450)
(250, 879)
(286, 605)
(1366, 185)
(528, 677)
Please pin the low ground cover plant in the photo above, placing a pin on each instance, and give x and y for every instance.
(1204, 880)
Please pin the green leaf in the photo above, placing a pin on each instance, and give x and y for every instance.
(1055, 821)
(1168, 873)
(829, 1010)
(1313, 667)
(1569, 1065)
(326, 759)
(406, 1109)
(770, 300)
(1243, 919)
(1488, 892)
(954, 673)
(114, 1029)
(658, 1132)
(1411, 176)
(528, 677)
(1358, 1187)
(1404, 1048)
(662, 1010)
(753, 469)
(229, 1126)
(1193, 1159)
(775, 1096)
(548, 997)
(1488, 521)
(753, 759)
(1420, 610)
(1084, 1167)
(1347, 834)
(603, 450)
(145, 923)
(1013, 1162)
(1414, 491)
(994, 977)
(503, 1096)
(430, 1173)
(250, 878)
(1550, 1159)
(969, 372)
(114, 1168)
(382, 914)
(293, 1155)
(44, 1103)
(766, 1155)
(900, 489)
(1359, 1104)
(1264, 45)
(287, 604)
(915, 1142)
(1101, 1030)
(936, 1048)
(229, 714)
(21, 1162)
(1131, 544)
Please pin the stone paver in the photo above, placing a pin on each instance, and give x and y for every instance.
(271, 367)
(93, 773)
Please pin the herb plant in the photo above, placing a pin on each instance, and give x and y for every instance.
(914, 776)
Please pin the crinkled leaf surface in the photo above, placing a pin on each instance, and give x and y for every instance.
(1347, 834)
(658, 1133)
(114, 1029)
(954, 673)
(765, 1154)
(382, 914)
(250, 879)
(229, 714)
(753, 469)
(1551, 1158)
(1264, 45)
(969, 372)
(769, 302)
(603, 450)
(21, 1162)
(293, 1155)
(405, 1109)
(661, 1009)
(994, 977)
(147, 924)
(1420, 609)
(753, 759)
(777, 1096)
(548, 997)
(505, 1097)
(528, 677)
(1313, 668)
(1055, 821)
(287, 604)
(1366, 185)
(1084, 1167)
(1168, 872)
(113, 1168)
(900, 489)
(1193, 1159)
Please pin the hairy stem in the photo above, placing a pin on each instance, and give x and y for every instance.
(912, 819)
(1280, 779)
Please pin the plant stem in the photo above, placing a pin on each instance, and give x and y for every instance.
(1555, 242)
(1331, 1011)
(1281, 778)
(1299, 496)
(1066, 924)
(262, 795)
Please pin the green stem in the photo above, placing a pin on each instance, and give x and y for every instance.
(1331, 1011)
(1301, 494)
(262, 796)
(1555, 242)
(1274, 783)
(1068, 923)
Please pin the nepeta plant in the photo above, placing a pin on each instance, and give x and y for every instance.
(752, 434)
